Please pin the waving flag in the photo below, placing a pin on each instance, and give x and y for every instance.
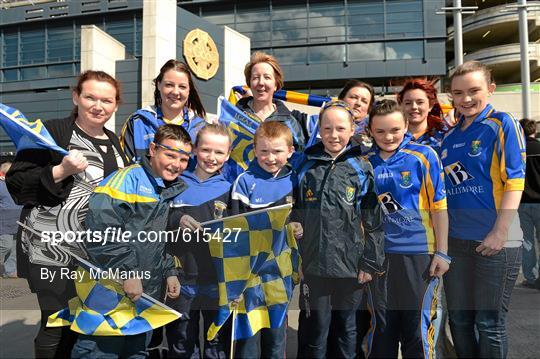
(284, 95)
(26, 134)
(243, 129)
(257, 268)
(102, 308)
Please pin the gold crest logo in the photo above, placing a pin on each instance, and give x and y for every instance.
(201, 54)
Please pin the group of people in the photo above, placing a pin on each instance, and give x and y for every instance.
(378, 227)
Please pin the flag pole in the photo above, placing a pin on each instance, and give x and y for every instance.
(234, 306)
(99, 270)
(267, 209)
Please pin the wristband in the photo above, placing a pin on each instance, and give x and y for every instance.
(444, 257)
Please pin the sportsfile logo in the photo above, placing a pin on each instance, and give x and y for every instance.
(390, 205)
(457, 173)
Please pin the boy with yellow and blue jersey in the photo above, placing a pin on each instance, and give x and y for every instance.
(268, 182)
(409, 184)
(136, 200)
(484, 165)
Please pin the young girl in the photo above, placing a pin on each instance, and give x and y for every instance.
(409, 183)
(206, 198)
(336, 196)
(176, 101)
(484, 166)
(422, 110)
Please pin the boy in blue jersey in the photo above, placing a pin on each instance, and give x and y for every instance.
(136, 199)
(342, 246)
(206, 198)
(484, 164)
(409, 183)
(268, 182)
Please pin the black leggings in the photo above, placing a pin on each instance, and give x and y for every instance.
(52, 296)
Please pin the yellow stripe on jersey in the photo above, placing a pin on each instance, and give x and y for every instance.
(496, 177)
(430, 195)
(130, 198)
(426, 202)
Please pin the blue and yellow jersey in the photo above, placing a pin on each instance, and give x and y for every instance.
(409, 185)
(136, 201)
(139, 130)
(480, 164)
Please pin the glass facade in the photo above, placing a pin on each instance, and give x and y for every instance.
(52, 49)
(317, 31)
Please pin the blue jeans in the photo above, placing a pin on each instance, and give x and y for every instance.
(7, 253)
(478, 291)
(529, 217)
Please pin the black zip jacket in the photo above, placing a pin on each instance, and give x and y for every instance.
(339, 210)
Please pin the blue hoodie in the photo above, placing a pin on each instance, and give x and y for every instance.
(198, 201)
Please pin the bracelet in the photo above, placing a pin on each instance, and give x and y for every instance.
(444, 257)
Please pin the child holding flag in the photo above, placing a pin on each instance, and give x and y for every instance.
(268, 182)
(136, 199)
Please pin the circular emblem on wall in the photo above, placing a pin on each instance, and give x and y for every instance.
(201, 54)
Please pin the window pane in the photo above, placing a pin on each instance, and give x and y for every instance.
(367, 52)
(289, 12)
(295, 55)
(332, 53)
(10, 49)
(287, 37)
(404, 50)
(31, 73)
(60, 43)
(60, 70)
(122, 30)
(32, 46)
(10, 75)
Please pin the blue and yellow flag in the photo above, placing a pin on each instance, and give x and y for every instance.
(102, 308)
(243, 129)
(26, 134)
(284, 95)
(257, 265)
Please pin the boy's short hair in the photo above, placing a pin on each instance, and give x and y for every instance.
(215, 128)
(273, 130)
(172, 132)
(383, 108)
(529, 126)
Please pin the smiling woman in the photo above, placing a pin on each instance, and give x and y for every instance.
(55, 192)
(176, 101)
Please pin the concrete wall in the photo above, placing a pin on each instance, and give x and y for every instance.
(100, 51)
(128, 72)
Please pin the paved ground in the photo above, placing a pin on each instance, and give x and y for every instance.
(19, 318)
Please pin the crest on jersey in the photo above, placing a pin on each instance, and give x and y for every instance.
(406, 180)
(475, 149)
(349, 194)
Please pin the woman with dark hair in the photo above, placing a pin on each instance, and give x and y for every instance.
(176, 101)
(422, 110)
(360, 97)
(55, 191)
